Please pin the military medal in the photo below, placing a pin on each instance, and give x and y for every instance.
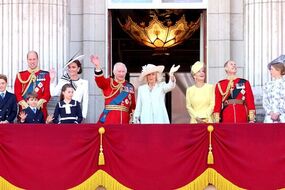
(40, 85)
(126, 101)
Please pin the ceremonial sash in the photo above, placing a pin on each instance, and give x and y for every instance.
(116, 101)
(33, 84)
(236, 91)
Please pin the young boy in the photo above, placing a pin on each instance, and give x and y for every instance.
(8, 103)
(31, 114)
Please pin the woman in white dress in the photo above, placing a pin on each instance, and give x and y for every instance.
(274, 94)
(150, 106)
(80, 86)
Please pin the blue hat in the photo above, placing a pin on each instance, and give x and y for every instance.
(280, 59)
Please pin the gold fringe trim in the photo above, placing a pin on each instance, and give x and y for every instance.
(100, 177)
(210, 176)
(4, 184)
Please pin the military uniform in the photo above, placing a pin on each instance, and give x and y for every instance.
(234, 101)
(33, 81)
(119, 100)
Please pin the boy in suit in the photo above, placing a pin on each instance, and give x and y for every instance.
(31, 114)
(8, 103)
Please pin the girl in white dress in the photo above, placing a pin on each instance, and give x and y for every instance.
(80, 86)
(150, 106)
(274, 94)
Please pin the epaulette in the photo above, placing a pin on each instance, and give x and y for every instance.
(223, 80)
(45, 72)
(23, 71)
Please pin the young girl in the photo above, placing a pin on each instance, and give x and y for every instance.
(67, 110)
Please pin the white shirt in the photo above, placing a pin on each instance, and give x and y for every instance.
(150, 107)
(81, 94)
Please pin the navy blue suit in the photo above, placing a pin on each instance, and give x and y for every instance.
(8, 107)
(32, 117)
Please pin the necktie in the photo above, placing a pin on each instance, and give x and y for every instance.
(34, 110)
(2, 95)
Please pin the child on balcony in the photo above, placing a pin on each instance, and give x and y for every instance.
(31, 114)
(8, 103)
(67, 110)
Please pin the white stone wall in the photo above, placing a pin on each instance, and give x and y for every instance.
(225, 37)
(38, 25)
(264, 41)
(88, 34)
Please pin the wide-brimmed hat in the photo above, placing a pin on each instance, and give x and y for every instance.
(79, 58)
(150, 68)
(196, 67)
(280, 59)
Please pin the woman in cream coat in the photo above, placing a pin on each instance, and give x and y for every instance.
(200, 98)
(79, 85)
(150, 106)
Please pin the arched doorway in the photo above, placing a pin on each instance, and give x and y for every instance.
(123, 48)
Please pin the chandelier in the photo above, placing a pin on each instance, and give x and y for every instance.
(158, 34)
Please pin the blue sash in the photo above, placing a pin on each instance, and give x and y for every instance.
(116, 101)
(237, 91)
(39, 78)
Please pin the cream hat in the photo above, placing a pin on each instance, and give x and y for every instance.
(150, 68)
(196, 67)
(79, 58)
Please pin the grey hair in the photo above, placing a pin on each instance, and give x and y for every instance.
(119, 64)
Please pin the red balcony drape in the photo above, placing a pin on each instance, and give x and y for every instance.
(248, 156)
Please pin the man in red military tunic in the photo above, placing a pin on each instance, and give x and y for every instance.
(234, 101)
(118, 93)
(33, 80)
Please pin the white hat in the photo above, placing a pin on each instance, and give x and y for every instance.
(196, 67)
(79, 58)
(150, 68)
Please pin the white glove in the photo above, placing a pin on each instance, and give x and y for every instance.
(173, 69)
(52, 74)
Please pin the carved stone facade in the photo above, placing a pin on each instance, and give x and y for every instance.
(250, 32)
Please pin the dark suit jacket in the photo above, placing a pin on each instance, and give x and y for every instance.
(32, 117)
(8, 107)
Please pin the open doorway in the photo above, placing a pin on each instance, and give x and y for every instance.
(125, 49)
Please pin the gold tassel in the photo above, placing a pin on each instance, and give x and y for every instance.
(210, 159)
(101, 160)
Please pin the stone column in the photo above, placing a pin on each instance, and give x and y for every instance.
(38, 25)
(264, 33)
(218, 29)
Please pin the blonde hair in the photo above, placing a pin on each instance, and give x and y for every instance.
(159, 77)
